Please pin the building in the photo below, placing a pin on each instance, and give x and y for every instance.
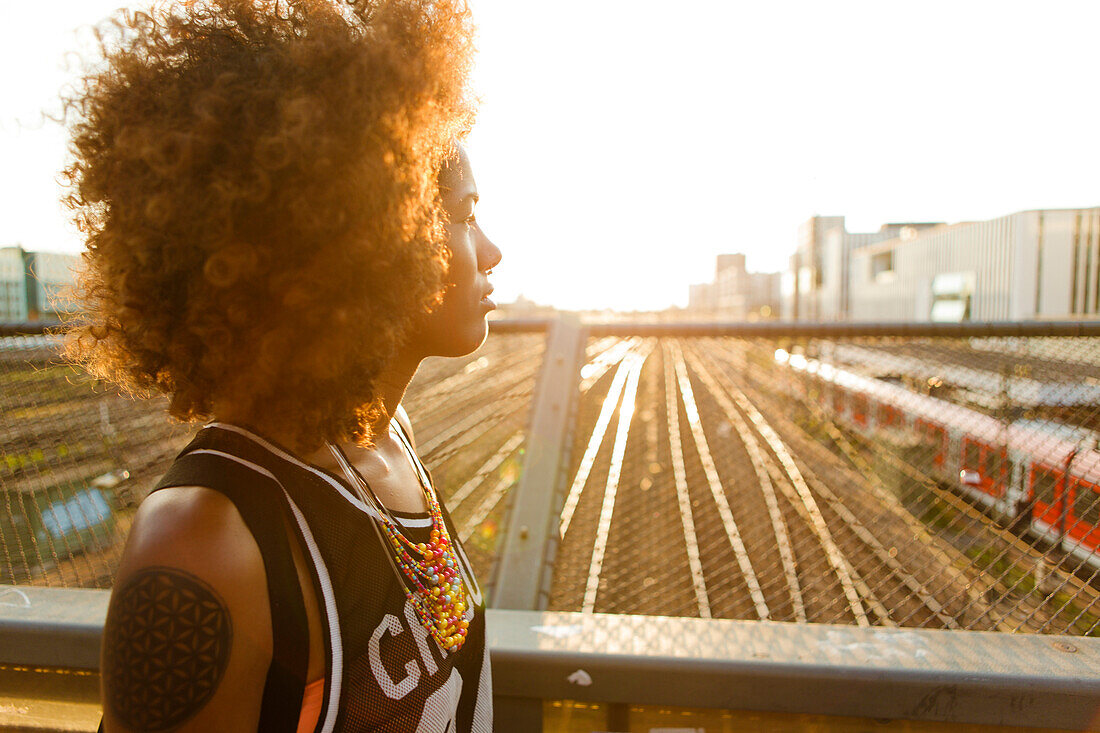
(735, 293)
(13, 287)
(1027, 265)
(1041, 264)
(816, 286)
(34, 285)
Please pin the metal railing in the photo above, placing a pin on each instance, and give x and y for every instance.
(870, 483)
(617, 661)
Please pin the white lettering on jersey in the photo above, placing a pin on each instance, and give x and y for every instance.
(441, 707)
(392, 690)
(420, 634)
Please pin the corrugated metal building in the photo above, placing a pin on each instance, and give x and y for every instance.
(33, 285)
(1032, 264)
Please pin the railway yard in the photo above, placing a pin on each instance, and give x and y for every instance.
(726, 497)
(705, 478)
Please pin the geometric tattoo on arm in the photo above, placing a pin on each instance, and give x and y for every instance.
(166, 646)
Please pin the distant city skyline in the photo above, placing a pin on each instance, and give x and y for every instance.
(621, 147)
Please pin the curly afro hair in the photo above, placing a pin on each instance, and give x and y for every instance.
(257, 184)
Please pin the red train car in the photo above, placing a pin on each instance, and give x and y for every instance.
(1045, 474)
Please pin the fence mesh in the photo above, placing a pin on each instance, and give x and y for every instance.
(77, 457)
(947, 483)
(921, 482)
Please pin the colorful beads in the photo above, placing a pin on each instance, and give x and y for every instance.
(438, 593)
(434, 587)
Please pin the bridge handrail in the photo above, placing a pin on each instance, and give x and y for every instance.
(913, 674)
(746, 329)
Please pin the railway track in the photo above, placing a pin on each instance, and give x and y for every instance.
(739, 523)
(471, 418)
(993, 596)
(879, 579)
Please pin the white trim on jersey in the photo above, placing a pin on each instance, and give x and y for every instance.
(351, 498)
(336, 645)
(328, 597)
(482, 717)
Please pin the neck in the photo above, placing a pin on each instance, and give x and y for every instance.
(391, 385)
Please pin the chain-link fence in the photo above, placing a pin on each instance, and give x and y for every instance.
(470, 418)
(924, 482)
(77, 457)
(948, 483)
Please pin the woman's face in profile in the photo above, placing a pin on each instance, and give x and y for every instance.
(457, 326)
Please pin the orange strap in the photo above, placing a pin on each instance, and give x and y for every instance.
(311, 706)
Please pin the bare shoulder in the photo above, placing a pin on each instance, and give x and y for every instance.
(187, 640)
(193, 526)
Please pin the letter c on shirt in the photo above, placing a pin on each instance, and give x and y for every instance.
(392, 690)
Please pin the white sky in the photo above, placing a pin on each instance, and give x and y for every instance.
(622, 145)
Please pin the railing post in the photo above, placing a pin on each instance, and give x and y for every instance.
(531, 535)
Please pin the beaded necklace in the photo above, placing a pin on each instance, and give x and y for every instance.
(428, 571)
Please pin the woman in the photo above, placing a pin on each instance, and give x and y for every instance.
(280, 228)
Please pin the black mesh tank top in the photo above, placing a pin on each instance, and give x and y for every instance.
(383, 670)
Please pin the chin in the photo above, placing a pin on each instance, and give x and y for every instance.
(461, 342)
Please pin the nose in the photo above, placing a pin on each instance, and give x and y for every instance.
(488, 254)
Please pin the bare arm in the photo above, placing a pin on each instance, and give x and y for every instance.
(187, 641)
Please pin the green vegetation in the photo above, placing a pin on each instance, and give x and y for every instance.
(939, 516)
(1020, 582)
(33, 375)
(11, 462)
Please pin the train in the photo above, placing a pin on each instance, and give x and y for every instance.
(1040, 476)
